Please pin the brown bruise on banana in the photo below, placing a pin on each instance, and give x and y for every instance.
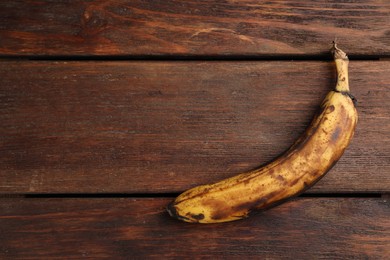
(300, 167)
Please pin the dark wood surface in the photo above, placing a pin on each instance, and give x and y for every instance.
(141, 27)
(308, 228)
(152, 127)
(110, 108)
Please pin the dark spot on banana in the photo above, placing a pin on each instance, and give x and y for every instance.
(330, 109)
(255, 204)
(281, 178)
(197, 216)
(292, 183)
(224, 212)
(249, 205)
(220, 214)
(216, 205)
(336, 134)
(272, 173)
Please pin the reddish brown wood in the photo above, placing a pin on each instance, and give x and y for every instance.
(175, 27)
(149, 127)
(337, 228)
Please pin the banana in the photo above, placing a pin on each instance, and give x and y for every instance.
(300, 167)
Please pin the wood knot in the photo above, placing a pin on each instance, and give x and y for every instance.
(93, 22)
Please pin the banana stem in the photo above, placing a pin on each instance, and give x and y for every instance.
(341, 60)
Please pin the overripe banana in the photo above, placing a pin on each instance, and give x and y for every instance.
(308, 159)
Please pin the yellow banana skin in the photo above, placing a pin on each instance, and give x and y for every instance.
(307, 161)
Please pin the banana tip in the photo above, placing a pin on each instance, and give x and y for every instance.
(171, 210)
(337, 52)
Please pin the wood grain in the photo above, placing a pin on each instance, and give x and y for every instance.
(161, 127)
(338, 228)
(141, 27)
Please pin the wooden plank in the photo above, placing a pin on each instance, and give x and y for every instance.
(141, 27)
(161, 127)
(338, 228)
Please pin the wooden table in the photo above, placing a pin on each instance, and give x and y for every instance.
(109, 109)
